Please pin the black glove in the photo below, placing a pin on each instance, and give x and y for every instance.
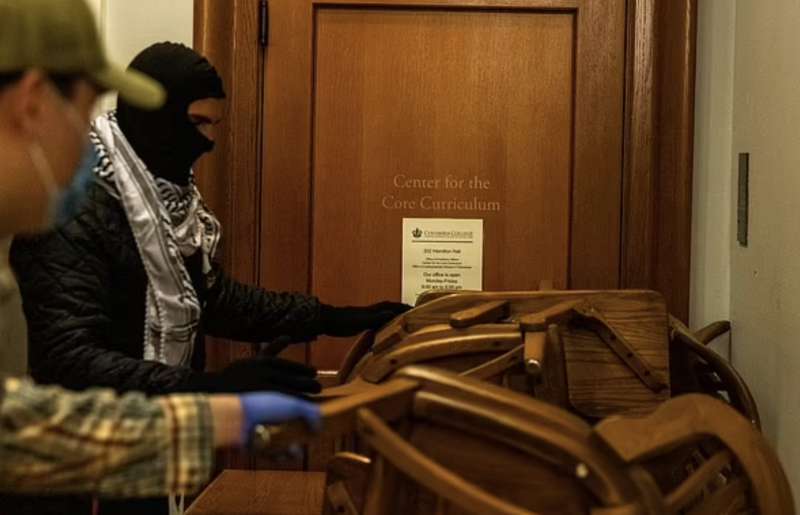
(349, 320)
(276, 346)
(258, 374)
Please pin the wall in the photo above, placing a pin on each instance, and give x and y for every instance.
(747, 101)
(765, 276)
(128, 27)
(711, 222)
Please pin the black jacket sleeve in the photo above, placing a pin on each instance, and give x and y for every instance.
(65, 280)
(250, 314)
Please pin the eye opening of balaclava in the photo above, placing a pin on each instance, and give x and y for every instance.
(166, 140)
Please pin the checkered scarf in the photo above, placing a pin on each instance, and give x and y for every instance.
(169, 222)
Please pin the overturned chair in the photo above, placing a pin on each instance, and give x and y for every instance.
(595, 353)
(434, 442)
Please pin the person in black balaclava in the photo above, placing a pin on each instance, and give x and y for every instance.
(122, 295)
(167, 140)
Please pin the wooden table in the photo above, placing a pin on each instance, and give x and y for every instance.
(262, 492)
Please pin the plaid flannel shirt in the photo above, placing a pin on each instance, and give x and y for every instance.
(54, 441)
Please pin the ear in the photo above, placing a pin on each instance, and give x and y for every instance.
(27, 101)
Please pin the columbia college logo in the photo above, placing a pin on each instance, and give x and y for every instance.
(416, 233)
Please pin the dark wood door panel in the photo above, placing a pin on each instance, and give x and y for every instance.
(271, 101)
(439, 114)
(370, 113)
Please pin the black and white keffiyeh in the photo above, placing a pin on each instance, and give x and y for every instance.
(169, 222)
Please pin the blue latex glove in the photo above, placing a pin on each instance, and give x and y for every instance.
(276, 408)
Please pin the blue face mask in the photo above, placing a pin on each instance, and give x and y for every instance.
(69, 201)
(65, 203)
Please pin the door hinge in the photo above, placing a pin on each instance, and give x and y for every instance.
(263, 23)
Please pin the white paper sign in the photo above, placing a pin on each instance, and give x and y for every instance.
(441, 254)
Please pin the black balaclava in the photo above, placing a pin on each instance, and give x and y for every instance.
(166, 140)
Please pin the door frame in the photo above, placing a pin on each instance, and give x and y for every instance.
(657, 144)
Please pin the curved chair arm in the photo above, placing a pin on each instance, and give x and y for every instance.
(741, 397)
(391, 400)
(503, 339)
(359, 349)
(712, 331)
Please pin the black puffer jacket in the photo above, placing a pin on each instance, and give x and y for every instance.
(84, 289)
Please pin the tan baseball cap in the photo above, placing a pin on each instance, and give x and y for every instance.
(60, 36)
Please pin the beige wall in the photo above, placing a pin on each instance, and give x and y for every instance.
(128, 26)
(711, 221)
(131, 26)
(748, 100)
(765, 276)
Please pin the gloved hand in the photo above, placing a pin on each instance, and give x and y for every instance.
(275, 408)
(350, 320)
(276, 346)
(258, 374)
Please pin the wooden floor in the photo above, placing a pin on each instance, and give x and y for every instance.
(263, 492)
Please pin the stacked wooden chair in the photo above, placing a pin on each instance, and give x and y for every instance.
(596, 353)
(435, 442)
(569, 402)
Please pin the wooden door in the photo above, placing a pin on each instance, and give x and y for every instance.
(510, 112)
(656, 144)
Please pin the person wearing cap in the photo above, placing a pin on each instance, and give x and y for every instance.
(135, 268)
(52, 69)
